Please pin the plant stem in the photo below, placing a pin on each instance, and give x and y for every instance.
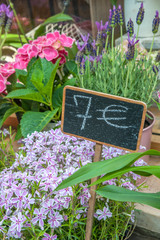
(137, 32)
(152, 45)
(2, 43)
(106, 44)
(127, 79)
(18, 22)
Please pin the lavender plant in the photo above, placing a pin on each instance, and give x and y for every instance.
(5, 23)
(31, 208)
(110, 69)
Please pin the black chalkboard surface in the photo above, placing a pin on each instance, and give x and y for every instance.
(103, 118)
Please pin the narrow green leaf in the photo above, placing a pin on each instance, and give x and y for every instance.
(18, 133)
(21, 75)
(126, 195)
(103, 167)
(35, 121)
(142, 170)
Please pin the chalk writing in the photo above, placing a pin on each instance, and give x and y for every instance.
(111, 108)
(87, 110)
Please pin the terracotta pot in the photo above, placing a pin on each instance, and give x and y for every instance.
(11, 121)
(147, 134)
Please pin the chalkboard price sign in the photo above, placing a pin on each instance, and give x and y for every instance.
(103, 118)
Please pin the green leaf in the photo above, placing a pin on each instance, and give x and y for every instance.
(13, 80)
(60, 17)
(18, 133)
(35, 121)
(143, 171)
(72, 67)
(72, 51)
(48, 89)
(58, 93)
(126, 195)
(21, 75)
(36, 79)
(95, 169)
(27, 94)
(9, 112)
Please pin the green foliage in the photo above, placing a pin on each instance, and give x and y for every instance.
(60, 17)
(115, 75)
(38, 98)
(113, 168)
(14, 40)
(7, 153)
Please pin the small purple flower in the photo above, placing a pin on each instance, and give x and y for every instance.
(103, 214)
(155, 23)
(131, 47)
(55, 219)
(140, 15)
(41, 215)
(49, 237)
(100, 26)
(17, 222)
(114, 17)
(130, 27)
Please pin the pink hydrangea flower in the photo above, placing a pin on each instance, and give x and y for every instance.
(51, 47)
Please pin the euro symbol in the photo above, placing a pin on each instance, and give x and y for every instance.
(110, 120)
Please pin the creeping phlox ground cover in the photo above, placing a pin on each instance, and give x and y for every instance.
(31, 209)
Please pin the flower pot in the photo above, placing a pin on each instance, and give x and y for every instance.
(131, 8)
(11, 121)
(147, 134)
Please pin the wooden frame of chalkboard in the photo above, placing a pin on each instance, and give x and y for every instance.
(84, 116)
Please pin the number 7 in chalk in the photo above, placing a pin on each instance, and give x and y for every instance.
(75, 97)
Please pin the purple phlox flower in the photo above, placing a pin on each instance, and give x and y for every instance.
(41, 215)
(103, 214)
(140, 15)
(17, 222)
(127, 184)
(49, 237)
(9, 13)
(140, 162)
(20, 198)
(55, 219)
(28, 201)
(66, 192)
(5, 200)
(132, 216)
(155, 23)
(131, 47)
(50, 206)
(110, 182)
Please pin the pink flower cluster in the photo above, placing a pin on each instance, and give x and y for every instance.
(5, 71)
(51, 47)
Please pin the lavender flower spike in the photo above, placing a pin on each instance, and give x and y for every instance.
(131, 47)
(155, 23)
(120, 15)
(130, 27)
(140, 15)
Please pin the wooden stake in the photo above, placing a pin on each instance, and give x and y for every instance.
(92, 200)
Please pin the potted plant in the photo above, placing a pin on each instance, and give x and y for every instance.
(123, 70)
(42, 72)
